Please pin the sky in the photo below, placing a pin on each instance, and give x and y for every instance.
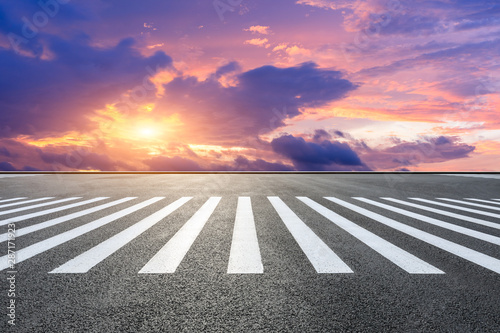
(250, 85)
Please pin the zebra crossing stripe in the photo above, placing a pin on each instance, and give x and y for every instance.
(319, 254)
(87, 260)
(54, 241)
(25, 202)
(50, 223)
(49, 211)
(171, 254)
(470, 203)
(486, 201)
(473, 256)
(244, 257)
(396, 255)
(480, 212)
(13, 199)
(450, 214)
(450, 226)
(50, 203)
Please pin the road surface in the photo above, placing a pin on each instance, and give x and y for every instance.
(250, 253)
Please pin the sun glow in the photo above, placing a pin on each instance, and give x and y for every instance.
(147, 132)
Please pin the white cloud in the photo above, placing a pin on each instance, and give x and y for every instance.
(260, 29)
(261, 42)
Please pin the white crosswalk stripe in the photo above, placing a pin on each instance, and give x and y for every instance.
(170, 256)
(486, 201)
(244, 255)
(319, 254)
(50, 223)
(470, 203)
(475, 211)
(466, 231)
(456, 249)
(25, 202)
(50, 211)
(54, 241)
(84, 262)
(398, 256)
(446, 213)
(50, 203)
(12, 199)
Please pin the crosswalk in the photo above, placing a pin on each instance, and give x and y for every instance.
(475, 219)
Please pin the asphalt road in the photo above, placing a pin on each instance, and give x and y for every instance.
(250, 253)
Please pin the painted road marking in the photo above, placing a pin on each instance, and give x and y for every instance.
(25, 202)
(50, 223)
(54, 241)
(49, 211)
(13, 199)
(171, 254)
(323, 259)
(244, 257)
(443, 212)
(87, 260)
(466, 231)
(396, 255)
(50, 203)
(487, 201)
(470, 203)
(470, 210)
(473, 256)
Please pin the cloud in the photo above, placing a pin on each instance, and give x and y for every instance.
(244, 164)
(59, 94)
(323, 156)
(260, 102)
(479, 53)
(426, 150)
(231, 67)
(5, 152)
(325, 4)
(281, 46)
(413, 18)
(83, 160)
(240, 163)
(264, 30)
(298, 51)
(6, 166)
(176, 163)
(261, 42)
(321, 135)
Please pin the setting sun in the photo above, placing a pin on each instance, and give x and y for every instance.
(147, 132)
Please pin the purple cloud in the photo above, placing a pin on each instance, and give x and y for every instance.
(427, 150)
(176, 163)
(57, 95)
(324, 156)
(82, 160)
(263, 98)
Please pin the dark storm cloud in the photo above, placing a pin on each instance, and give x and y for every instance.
(260, 102)
(6, 166)
(327, 155)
